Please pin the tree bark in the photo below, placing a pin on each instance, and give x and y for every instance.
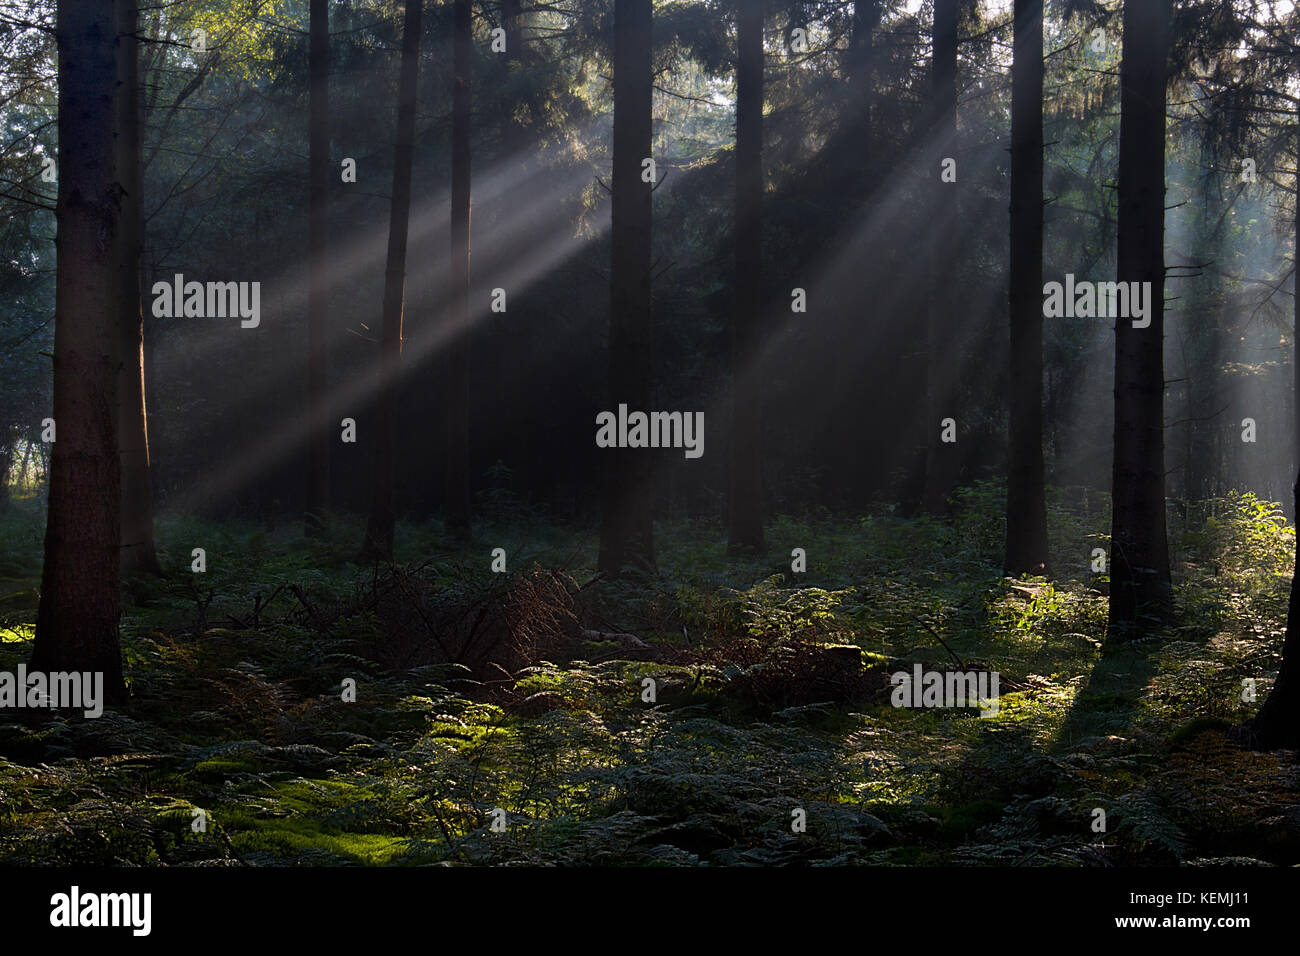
(626, 532)
(1026, 547)
(941, 460)
(861, 67)
(512, 18)
(745, 532)
(379, 529)
(6, 462)
(22, 468)
(456, 516)
(139, 555)
(1141, 594)
(80, 603)
(319, 427)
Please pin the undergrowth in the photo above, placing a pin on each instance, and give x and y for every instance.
(681, 719)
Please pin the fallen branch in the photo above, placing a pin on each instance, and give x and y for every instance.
(926, 625)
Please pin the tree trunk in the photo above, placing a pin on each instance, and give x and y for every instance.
(745, 531)
(866, 17)
(860, 67)
(456, 517)
(855, 176)
(80, 604)
(512, 19)
(379, 529)
(6, 462)
(1140, 591)
(319, 426)
(941, 459)
(138, 553)
(626, 532)
(22, 469)
(1026, 508)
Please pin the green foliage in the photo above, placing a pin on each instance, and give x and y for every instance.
(236, 710)
(1240, 575)
(1244, 534)
(768, 607)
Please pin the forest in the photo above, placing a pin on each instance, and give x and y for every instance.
(649, 433)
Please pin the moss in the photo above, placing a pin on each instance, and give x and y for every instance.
(219, 768)
(1185, 734)
(289, 839)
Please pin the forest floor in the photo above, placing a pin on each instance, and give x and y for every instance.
(771, 695)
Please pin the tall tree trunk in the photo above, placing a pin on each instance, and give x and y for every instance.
(1204, 345)
(379, 529)
(456, 517)
(80, 604)
(138, 553)
(1026, 507)
(866, 17)
(319, 426)
(22, 469)
(855, 181)
(941, 459)
(626, 531)
(6, 463)
(860, 67)
(512, 18)
(1140, 590)
(745, 530)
